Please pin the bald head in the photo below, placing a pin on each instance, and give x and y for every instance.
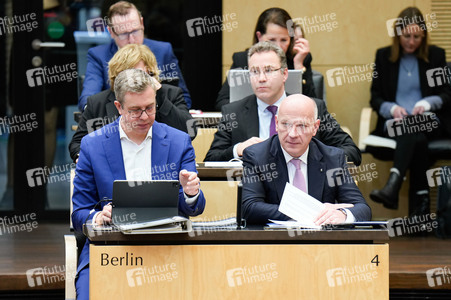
(297, 122)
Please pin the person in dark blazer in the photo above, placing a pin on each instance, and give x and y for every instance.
(268, 166)
(407, 87)
(125, 25)
(100, 109)
(244, 122)
(272, 26)
(134, 147)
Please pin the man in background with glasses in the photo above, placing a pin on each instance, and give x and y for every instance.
(252, 119)
(125, 25)
(134, 147)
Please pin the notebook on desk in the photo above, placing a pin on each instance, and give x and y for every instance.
(146, 204)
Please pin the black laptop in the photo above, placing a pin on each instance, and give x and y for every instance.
(137, 202)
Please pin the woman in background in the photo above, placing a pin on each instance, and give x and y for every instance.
(272, 26)
(403, 92)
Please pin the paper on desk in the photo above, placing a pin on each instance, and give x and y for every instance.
(223, 164)
(292, 224)
(299, 205)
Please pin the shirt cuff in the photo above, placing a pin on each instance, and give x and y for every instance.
(235, 151)
(434, 102)
(191, 200)
(349, 216)
(424, 104)
(94, 218)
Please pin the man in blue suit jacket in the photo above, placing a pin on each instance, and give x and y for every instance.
(125, 25)
(267, 168)
(134, 147)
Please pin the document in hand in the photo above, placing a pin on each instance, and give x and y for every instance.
(300, 206)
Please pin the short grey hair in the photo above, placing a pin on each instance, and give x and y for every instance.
(132, 81)
(267, 47)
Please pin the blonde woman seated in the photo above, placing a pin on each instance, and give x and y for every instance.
(100, 109)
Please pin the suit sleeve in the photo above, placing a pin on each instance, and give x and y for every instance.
(377, 86)
(173, 111)
(93, 82)
(171, 59)
(331, 134)
(188, 163)
(85, 194)
(221, 148)
(348, 192)
(255, 209)
(82, 130)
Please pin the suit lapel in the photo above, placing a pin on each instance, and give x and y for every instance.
(278, 159)
(316, 172)
(250, 118)
(160, 147)
(113, 150)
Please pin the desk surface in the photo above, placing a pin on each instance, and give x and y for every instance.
(251, 235)
(218, 172)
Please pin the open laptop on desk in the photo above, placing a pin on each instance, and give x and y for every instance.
(240, 84)
(151, 205)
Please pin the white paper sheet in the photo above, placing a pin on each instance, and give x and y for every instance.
(299, 205)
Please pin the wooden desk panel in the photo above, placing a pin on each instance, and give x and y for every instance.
(240, 272)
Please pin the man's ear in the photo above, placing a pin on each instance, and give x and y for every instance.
(277, 123)
(118, 106)
(316, 127)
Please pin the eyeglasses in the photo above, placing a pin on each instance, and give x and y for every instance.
(126, 35)
(299, 128)
(137, 113)
(268, 70)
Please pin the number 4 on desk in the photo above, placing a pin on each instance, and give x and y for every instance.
(375, 260)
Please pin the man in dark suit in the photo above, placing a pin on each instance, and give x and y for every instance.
(125, 25)
(270, 164)
(134, 147)
(249, 120)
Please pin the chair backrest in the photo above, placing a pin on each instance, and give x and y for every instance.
(318, 81)
(202, 142)
(221, 200)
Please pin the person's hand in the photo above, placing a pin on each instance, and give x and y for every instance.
(301, 48)
(418, 110)
(241, 146)
(331, 215)
(190, 183)
(104, 217)
(399, 112)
